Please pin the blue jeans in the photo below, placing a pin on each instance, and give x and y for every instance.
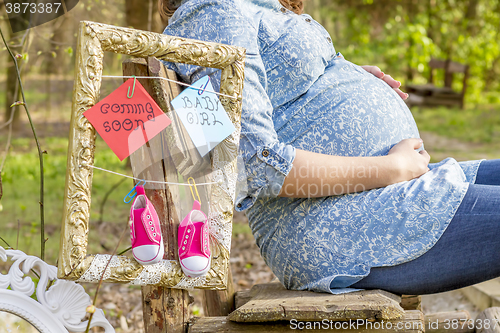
(468, 252)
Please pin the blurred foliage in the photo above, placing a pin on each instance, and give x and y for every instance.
(401, 36)
(51, 45)
(21, 172)
(19, 213)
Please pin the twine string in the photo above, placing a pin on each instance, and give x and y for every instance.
(147, 181)
(170, 80)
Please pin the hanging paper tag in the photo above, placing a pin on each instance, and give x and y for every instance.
(203, 115)
(127, 123)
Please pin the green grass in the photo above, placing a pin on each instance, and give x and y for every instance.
(476, 125)
(19, 204)
(241, 228)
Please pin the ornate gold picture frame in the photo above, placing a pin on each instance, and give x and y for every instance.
(93, 40)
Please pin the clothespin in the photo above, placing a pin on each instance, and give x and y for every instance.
(200, 91)
(195, 189)
(131, 195)
(133, 89)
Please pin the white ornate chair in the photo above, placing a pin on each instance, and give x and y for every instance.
(60, 308)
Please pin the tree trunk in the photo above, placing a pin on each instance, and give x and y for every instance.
(471, 12)
(12, 91)
(59, 61)
(143, 15)
(411, 15)
(470, 16)
(430, 18)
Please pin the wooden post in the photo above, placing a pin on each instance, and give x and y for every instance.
(448, 74)
(411, 302)
(165, 309)
(464, 85)
(219, 303)
(215, 303)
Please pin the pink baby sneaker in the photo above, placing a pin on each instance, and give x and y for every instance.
(194, 245)
(145, 232)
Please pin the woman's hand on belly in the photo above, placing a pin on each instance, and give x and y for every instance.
(316, 175)
(387, 78)
(412, 164)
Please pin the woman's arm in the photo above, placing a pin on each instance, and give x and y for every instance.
(266, 159)
(317, 175)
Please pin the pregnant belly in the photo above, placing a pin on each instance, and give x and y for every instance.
(347, 112)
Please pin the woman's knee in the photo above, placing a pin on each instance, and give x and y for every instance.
(488, 172)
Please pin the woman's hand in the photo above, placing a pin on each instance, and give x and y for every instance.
(387, 78)
(410, 163)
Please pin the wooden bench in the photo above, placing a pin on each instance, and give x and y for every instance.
(266, 307)
(271, 308)
(431, 95)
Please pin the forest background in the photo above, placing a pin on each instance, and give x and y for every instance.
(399, 36)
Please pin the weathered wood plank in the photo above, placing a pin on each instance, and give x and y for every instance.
(242, 297)
(411, 302)
(410, 322)
(488, 321)
(428, 88)
(165, 310)
(272, 302)
(444, 322)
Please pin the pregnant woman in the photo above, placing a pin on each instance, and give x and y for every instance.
(339, 192)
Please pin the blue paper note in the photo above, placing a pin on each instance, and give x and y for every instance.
(203, 115)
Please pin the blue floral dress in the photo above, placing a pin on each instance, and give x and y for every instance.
(300, 93)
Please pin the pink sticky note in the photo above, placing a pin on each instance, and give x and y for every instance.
(127, 123)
